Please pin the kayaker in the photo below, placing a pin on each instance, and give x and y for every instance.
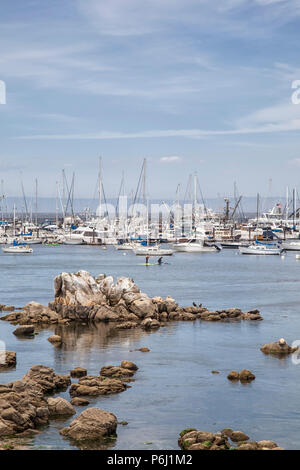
(147, 259)
(160, 260)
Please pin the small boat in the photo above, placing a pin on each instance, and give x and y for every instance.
(73, 241)
(125, 246)
(195, 246)
(291, 246)
(17, 249)
(260, 250)
(153, 251)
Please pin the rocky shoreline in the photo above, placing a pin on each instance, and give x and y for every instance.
(80, 299)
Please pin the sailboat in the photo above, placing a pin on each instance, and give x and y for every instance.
(17, 248)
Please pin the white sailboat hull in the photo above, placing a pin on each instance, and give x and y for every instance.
(259, 250)
(194, 248)
(17, 249)
(152, 251)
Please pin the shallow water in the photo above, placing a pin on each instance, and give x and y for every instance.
(174, 387)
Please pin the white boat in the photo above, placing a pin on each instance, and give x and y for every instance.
(125, 246)
(153, 251)
(30, 240)
(291, 246)
(73, 241)
(196, 246)
(260, 250)
(17, 249)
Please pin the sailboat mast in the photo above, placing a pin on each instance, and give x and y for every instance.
(100, 187)
(36, 201)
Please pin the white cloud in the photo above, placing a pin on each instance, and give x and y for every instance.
(295, 162)
(171, 159)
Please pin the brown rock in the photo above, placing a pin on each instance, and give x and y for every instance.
(60, 407)
(78, 372)
(237, 436)
(96, 386)
(233, 375)
(8, 359)
(77, 401)
(246, 376)
(278, 348)
(91, 424)
(266, 444)
(55, 339)
(25, 330)
(129, 365)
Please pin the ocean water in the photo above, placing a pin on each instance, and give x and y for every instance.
(174, 387)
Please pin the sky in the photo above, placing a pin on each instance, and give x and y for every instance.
(191, 85)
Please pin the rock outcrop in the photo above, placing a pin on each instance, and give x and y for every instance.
(82, 297)
(278, 348)
(91, 424)
(227, 439)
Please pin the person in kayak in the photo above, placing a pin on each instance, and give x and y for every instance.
(147, 260)
(160, 260)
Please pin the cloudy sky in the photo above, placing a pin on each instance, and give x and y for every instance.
(192, 85)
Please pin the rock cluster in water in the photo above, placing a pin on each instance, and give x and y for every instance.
(227, 439)
(84, 298)
(244, 376)
(111, 380)
(23, 404)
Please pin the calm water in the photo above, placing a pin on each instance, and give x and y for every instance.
(174, 387)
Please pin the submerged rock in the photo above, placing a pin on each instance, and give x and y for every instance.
(91, 424)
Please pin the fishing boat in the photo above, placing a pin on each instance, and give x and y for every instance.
(153, 251)
(260, 249)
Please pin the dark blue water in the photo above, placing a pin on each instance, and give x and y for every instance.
(174, 387)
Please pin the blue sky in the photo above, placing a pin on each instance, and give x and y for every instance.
(193, 85)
